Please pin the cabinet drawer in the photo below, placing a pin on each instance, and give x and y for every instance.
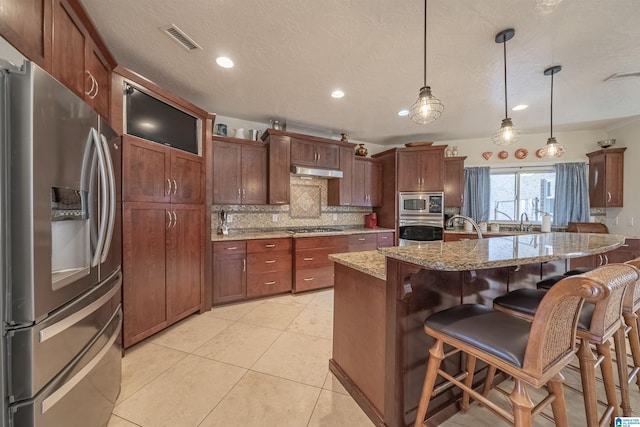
(313, 278)
(268, 245)
(362, 247)
(314, 258)
(361, 239)
(338, 242)
(270, 261)
(234, 247)
(274, 282)
(385, 240)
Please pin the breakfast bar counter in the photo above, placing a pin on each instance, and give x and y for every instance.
(380, 347)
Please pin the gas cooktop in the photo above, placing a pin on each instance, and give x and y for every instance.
(313, 230)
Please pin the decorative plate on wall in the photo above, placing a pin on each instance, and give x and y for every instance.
(503, 155)
(539, 153)
(521, 153)
(487, 155)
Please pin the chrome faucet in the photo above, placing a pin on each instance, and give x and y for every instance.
(522, 226)
(469, 220)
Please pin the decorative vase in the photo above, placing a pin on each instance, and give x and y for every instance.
(454, 151)
(344, 137)
(361, 150)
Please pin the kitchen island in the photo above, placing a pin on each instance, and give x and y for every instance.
(380, 347)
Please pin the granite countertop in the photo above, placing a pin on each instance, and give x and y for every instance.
(504, 251)
(283, 233)
(369, 262)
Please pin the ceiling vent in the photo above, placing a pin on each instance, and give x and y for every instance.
(181, 37)
(618, 76)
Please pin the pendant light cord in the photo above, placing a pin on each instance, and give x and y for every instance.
(425, 43)
(551, 121)
(504, 44)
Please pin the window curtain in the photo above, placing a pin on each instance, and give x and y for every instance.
(572, 194)
(477, 192)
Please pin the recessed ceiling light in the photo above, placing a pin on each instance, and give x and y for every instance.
(403, 113)
(224, 62)
(519, 107)
(337, 93)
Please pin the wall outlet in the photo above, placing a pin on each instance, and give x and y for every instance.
(630, 221)
(334, 217)
(274, 218)
(229, 218)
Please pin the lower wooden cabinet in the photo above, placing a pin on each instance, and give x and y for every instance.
(162, 265)
(630, 250)
(363, 242)
(229, 271)
(385, 240)
(312, 267)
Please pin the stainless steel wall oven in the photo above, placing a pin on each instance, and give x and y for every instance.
(420, 217)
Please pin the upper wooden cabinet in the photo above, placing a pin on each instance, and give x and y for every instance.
(26, 24)
(279, 164)
(421, 169)
(76, 59)
(339, 192)
(453, 181)
(152, 172)
(367, 179)
(239, 172)
(606, 178)
(307, 152)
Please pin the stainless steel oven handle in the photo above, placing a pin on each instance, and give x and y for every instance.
(61, 326)
(102, 228)
(61, 392)
(112, 199)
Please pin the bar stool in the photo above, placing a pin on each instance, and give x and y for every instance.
(598, 323)
(532, 353)
(630, 312)
(552, 280)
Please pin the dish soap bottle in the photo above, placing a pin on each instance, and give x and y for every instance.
(546, 223)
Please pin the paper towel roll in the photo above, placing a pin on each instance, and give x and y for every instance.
(546, 223)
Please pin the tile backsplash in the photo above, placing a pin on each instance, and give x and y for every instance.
(308, 208)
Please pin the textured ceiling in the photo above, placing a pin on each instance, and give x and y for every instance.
(290, 54)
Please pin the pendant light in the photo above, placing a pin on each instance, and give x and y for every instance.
(508, 133)
(552, 148)
(427, 108)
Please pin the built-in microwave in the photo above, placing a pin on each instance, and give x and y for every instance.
(418, 203)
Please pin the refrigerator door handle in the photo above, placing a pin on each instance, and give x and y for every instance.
(66, 323)
(112, 199)
(105, 198)
(60, 393)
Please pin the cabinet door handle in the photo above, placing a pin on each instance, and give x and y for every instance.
(269, 245)
(243, 193)
(175, 219)
(308, 259)
(239, 193)
(308, 279)
(169, 221)
(273, 282)
(231, 248)
(608, 196)
(606, 259)
(175, 186)
(168, 187)
(244, 264)
(94, 84)
(461, 198)
(384, 237)
(362, 239)
(600, 260)
(270, 261)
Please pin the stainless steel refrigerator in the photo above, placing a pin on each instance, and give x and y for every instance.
(60, 254)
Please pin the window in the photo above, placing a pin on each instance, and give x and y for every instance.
(518, 191)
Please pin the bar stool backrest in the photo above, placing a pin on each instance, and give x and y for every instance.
(560, 309)
(632, 300)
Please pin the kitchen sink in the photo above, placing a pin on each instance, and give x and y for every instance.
(313, 230)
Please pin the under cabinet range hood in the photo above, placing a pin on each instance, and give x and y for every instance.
(319, 172)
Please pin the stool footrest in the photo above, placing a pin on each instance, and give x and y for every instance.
(448, 384)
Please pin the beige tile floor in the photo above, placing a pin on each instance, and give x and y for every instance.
(261, 363)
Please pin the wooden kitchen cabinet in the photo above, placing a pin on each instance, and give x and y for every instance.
(26, 24)
(77, 61)
(453, 181)
(279, 169)
(308, 152)
(154, 173)
(163, 262)
(421, 169)
(363, 242)
(606, 178)
(239, 172)
(367, 182)
(385, 240)
(339, 191)
(229, 271)
(269, 265)
(312, 267)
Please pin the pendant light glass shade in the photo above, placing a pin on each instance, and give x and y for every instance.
(552, 148)
(427, 108)
(508, 133)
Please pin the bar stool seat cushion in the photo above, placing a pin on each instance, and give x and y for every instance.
(527, 301)
(578, 270)
(491, 331)
(547, 283)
